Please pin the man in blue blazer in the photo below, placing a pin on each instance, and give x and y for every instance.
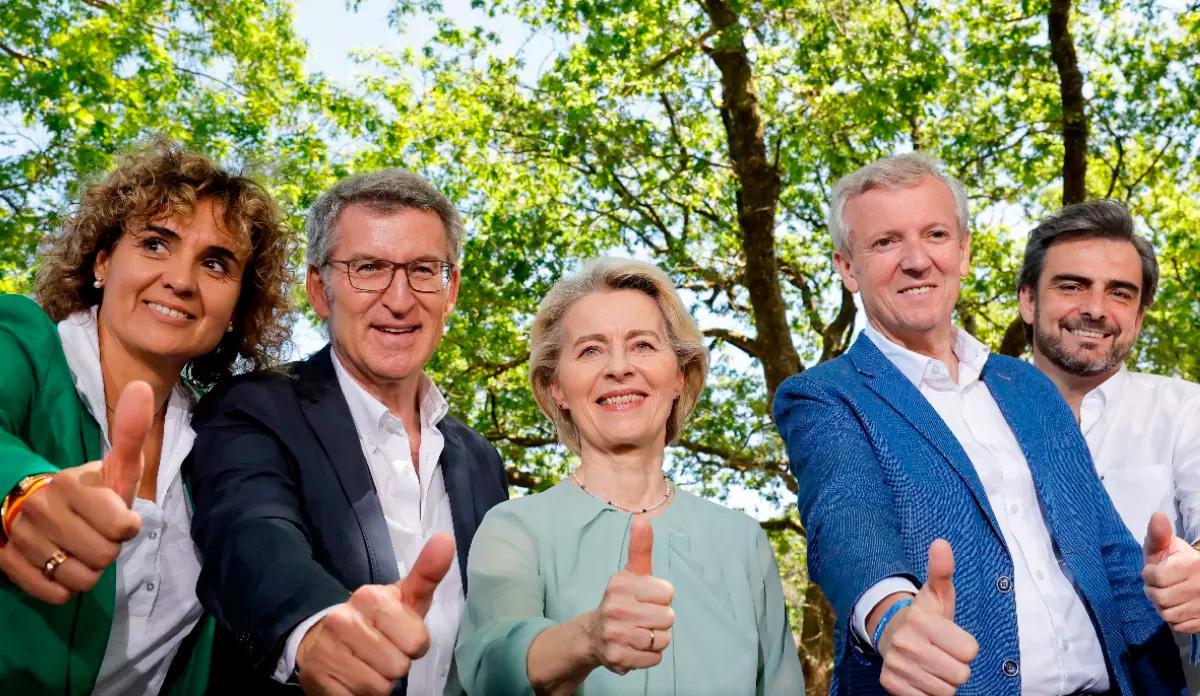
(332, 495)
(954, 519)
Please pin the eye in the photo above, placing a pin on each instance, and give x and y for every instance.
(939, 234)
(1123, 294)
(589, 351)
(883, 242)
(216, 265)
(644, 347)
(153, 245)
(366, 267)
(421, 271)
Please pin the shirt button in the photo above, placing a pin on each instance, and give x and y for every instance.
(1041, 575)
(1014, 509)
(1010, 668)
(1004, 584)
(149, 587)
(154, 534)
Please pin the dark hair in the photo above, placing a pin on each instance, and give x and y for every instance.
(164, 178)
(1105, 219)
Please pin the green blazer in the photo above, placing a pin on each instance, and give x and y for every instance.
(44, 427)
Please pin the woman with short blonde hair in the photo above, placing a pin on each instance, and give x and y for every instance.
(616, 568)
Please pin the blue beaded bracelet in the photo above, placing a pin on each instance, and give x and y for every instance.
(887, 616)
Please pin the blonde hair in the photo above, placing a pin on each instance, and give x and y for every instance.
(606, 275)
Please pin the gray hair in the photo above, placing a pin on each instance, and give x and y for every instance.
(896, 171)
(603, 275)
(384, 191)
(1103, 219)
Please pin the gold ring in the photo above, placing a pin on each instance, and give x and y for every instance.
(651, 648)
(50, 567)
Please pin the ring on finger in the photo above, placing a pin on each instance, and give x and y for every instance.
(52, 564)
(651, 648)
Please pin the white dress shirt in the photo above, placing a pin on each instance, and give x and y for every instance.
(1060, 651)
(1144, 435)
(155, 606)
(415, 507)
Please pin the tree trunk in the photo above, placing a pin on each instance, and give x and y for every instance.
(1074, 121)
(758, 196)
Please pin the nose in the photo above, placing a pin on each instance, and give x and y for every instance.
(398, 297)
(915, 259)
(618, 366)
(1091, 304)
(180, 276)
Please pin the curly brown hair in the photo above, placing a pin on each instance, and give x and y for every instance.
(162, 178)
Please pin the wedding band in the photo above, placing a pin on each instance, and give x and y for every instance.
(50, 567)
(651, 648)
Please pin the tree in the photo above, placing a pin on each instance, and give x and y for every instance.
(701, 134)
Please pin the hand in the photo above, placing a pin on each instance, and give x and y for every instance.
(84, 511)
(632, 626)
(1172, 576)
(370, 641)
(924, 651)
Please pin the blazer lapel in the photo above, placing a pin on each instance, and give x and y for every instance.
(328, 415)
(887, 382)
(456, 473)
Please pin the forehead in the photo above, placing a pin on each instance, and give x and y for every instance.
(205, 226)
(613, 312)
(399, 235)
(924, 204)
(1094, 257)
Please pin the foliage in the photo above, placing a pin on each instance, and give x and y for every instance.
(703, 135)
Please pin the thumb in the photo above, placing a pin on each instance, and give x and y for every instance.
(1158, 537)
(431, 566)
(131, 419)
(940, 582)
(641, 547)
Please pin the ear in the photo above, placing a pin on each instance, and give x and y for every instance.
(101, 264)
(844, 264)
(314, 285)
(964, 263)
(451, 294)
(557, 393)
(1028, 304)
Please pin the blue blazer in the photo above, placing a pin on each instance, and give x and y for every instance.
(881, 476)
(288, 521)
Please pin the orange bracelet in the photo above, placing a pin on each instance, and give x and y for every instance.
(14, 507)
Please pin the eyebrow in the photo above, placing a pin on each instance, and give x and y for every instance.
(213, 249)
(601, 338)
(1084, 280)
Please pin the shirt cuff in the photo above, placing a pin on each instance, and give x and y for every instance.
(873, 596)
(285, 669)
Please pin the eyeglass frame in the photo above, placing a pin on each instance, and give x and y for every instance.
(447, 272)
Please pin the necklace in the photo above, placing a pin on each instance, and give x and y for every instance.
(157, 413)
(635, 511)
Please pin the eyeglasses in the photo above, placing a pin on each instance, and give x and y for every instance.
(376, 275)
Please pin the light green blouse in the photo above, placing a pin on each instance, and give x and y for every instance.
(546, 558)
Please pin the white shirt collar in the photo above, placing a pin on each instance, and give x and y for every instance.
(917, 368)
(1094, 403)
(369, 414)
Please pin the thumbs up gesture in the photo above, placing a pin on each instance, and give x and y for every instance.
(632, 626)
(1172, 575)
(83, 513)
(923, 650)
(365, 644)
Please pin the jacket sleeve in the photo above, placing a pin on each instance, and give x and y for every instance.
(845, 504)
(259, 577)
(26, 337)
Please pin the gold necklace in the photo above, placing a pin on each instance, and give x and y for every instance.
(635, 511)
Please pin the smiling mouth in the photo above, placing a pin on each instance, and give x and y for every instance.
(168, 312)
(620, 399)
(398, 331)
(917, 291)
(1087, 333)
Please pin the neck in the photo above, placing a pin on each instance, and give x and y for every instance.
(119, 367)
(633, 478)
(401, 397)
(937, 344)
(1072, 387)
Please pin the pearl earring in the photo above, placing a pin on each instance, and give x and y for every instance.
(229, 329)
(98, 283)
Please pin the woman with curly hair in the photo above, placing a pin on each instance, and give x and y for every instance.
(170, 274)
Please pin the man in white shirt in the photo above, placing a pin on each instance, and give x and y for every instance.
(1086, 283)
(954, 520)
(332, 495)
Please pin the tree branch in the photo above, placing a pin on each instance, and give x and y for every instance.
(1074, 124)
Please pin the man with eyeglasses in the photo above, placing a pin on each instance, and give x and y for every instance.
(335, 498)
